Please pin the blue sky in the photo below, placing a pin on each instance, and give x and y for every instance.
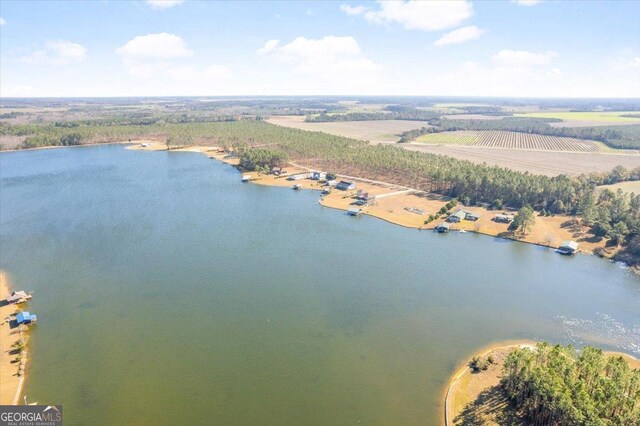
(198, 48)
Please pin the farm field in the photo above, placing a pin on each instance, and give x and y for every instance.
(633, 186)
(549, 163)
(586, 118)
(513, 140)
(373, 131)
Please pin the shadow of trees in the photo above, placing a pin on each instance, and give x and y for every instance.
(491, 406)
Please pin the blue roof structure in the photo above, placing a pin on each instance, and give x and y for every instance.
(25, 317)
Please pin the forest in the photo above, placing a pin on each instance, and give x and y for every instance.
(557, 385)
(390, 112)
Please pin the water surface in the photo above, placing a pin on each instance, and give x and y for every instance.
(168, 292)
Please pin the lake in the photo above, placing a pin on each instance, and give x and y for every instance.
(168, 292)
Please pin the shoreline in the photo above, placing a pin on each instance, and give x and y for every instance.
(11, 384)
(38, 148)
(463, 370)
(392, 202)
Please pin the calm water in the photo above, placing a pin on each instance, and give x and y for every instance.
(170, 293)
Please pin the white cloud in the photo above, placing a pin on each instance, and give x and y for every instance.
(155, 46)
(268, 47)
(526, 3)
(57, 52)
(416, 15)
(352, 10)
(459, 36)
(163, 4)
(2, 21)
(328, 57)
(161, 57)
(523, 58)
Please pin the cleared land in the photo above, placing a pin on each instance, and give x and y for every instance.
(586, 118)
(512, 140)
(373, 131)
(633, 186)
(549, 163)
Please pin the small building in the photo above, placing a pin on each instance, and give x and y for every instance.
(276, 170)
(443, 227)
(354, 212)
(297, 177)
(457, 216)
(472, 217)
(318, 175)
(345, 185)
(18, 297)
(26, 318)
(365, 196)
(332, 183)
(503, 218)
(568, 247)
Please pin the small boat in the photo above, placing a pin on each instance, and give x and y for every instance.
(462, 231)
(297, 186)
(326, 191)
(246, 178)
(354, 212)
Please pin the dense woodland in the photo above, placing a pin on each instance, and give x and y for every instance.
(410, 114)
(556, 385)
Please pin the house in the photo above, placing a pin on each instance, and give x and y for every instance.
(503, 218)
(345, 185)
(443, 227)
(568, 247)
(354, 212)
(457, 216)
(472, 217)
(26, 318)
(297, 177)
(318, 175)
(332, 183)
(18, 297)
(364, 196)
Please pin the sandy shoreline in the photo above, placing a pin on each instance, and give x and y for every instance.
(10, 383)
(454, 403)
